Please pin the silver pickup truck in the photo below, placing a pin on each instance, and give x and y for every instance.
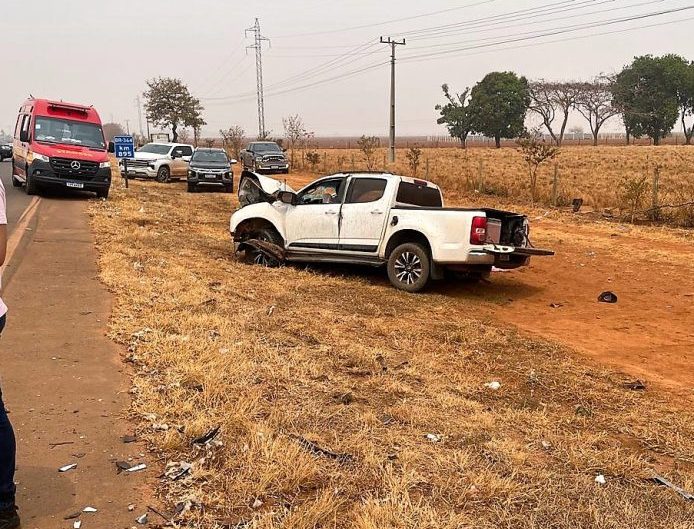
(377, 219)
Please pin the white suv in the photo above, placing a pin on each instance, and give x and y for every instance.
(162, 161)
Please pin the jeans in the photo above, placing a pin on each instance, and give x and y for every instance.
(7, 453)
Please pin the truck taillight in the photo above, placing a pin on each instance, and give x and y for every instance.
(478, 233)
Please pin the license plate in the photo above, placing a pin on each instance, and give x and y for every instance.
(210, 176)
(275, 167)
(76, 185)
(504, 257)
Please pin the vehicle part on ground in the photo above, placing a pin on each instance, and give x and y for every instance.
(660, 480)
(408, 267)
(607, 297)
(320, 451)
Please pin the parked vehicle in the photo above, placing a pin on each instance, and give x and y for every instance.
(161, 161)
(5, 151)
(264, 157)
(377, 219)
(60, 144)
(210, 168)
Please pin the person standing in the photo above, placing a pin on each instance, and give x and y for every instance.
(9, 519)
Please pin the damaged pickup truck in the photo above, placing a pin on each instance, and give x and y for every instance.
(376, 219)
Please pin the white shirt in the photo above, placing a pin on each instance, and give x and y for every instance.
(3, 220)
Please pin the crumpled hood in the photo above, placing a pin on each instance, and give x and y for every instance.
(254, 188)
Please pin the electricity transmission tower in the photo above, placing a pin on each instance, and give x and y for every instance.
(258, 47)
(392, 43)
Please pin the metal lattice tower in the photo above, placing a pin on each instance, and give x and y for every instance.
(258, 47)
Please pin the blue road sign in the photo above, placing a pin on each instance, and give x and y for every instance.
(124, 146)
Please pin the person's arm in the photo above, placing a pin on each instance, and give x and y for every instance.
(3, 243)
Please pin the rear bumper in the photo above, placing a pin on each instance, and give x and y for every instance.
(498, 256)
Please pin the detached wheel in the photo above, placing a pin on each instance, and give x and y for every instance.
(409, 266)
(259, 258)
(163, 174)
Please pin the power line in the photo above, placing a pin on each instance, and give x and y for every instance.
(377, 24)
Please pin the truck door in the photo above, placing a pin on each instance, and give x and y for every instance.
(20, 149)
(313, 223)
(364, 214)
(181, 160)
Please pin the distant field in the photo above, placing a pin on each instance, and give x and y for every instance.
(595, 174)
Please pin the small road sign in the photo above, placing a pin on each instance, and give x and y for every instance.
(124, 146)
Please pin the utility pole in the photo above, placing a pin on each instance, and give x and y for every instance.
(127, 126)
(138, 103)
(392, 43)
(258, 47)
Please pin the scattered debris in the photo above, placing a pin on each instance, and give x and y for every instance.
(271, 310)
(72, 516)
(163, 516)
(131, 507)
(142, 520)
(660, 480)
(546, 444)
(122, 465)
(177, 470)
(318, 451)
(61, 443)
(257, 504)
(128, 439)
(160, 427)
(206, 438)
(77, 524)
(66, 468)
(495, 269)
(79, 455)
(434, 438)
(89, 509)
(136, 468)
(636, 385)
(600, 479)
(556, 305)
(607, 297)
(494, 385)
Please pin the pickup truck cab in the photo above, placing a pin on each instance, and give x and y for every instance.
(161, 161)
(377, 219)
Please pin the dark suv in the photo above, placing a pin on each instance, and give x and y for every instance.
(264, 157)
(5, 151)
(210, 167)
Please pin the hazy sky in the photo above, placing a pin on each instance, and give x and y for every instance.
(101, 53)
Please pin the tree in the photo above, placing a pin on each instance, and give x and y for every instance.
(367, 145)
(233, 137)
(456, 114)
(112, 129)
(498, 104)
(413, 158)
(646, 92)
(168, 103)
(295, 132)
(209, 142)
(549, 99)
(595, 104)
(535, 152)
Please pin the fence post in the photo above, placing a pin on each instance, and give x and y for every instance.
(555, 184)
(325, 162)
(655, 214)
(427, 168)
(384, 163)
(353, 168)
(480, 176)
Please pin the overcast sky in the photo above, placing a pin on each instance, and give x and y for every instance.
(98, 52)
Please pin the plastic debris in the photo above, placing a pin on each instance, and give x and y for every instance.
(66, 468)
(131, 507)
(607, 297)
(494, 385)
(434, 438)
(206, 438)
(137, 468)
(142, 520)
(636, 385)
(660, 480)
(600, 479)
(177, 470)
(89, 509)
(77, 524)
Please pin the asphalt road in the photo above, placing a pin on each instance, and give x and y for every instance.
(17, 199)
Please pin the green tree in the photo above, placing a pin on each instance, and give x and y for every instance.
(498, 105)
(169, 103)
(646, 92)
(456, 114)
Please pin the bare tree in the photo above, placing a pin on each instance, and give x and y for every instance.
(209, 142)
(595, 104)
(414, 155)
(184, 136)
(367, 145)
(233, 138)
(112, 129)
(551, 100)
(295, 132)
(535, 152)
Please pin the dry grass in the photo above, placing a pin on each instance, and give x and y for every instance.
(344, 360)
(595, 174)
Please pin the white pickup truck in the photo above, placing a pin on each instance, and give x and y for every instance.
(376, 219)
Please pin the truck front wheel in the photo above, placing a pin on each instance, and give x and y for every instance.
(409, 266)
(163, 174)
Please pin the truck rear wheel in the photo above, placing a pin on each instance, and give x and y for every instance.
(409, 266)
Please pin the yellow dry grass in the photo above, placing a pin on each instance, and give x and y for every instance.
(340, 358)
(595, 174)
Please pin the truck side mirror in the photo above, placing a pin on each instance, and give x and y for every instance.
(111, 147)
(287, 197)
